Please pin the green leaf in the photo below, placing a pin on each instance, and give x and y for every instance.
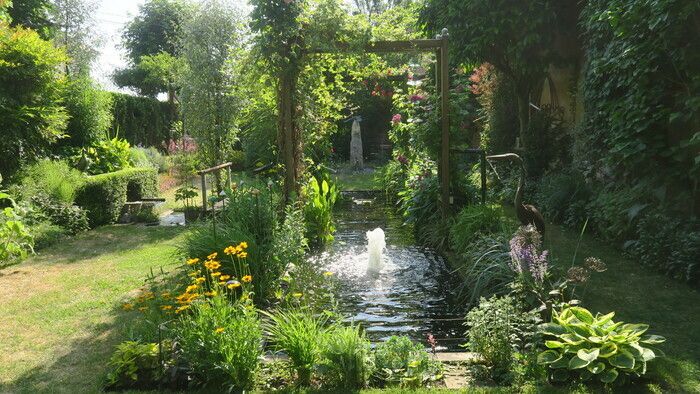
(572, 339)
(548, 357)
(582, 314)
(637, 329)
(561, 363)
(609, 375)
(554, 344)
(608, 350)
(577, 362)
(623, 359)
(552, 329)
(588, 355)
(596, 368)
(652, 339)
(600, 320)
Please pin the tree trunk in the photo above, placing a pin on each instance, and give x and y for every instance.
(289, 140)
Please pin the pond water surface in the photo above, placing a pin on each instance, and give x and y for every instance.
(414, 292)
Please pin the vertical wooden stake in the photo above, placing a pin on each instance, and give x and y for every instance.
(204, 193)
(228, 177)
(483, 176)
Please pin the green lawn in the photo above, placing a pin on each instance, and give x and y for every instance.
(639, 295)
(61, 311)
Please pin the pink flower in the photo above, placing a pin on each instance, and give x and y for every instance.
(417, 97)
(396, 119)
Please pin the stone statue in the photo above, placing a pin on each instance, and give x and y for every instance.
(356, 144)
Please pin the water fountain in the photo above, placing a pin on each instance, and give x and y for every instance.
(375, 248)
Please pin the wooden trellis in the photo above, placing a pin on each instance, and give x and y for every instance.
(289, 136)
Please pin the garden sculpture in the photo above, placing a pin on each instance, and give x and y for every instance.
(356, 144)
(527, 214)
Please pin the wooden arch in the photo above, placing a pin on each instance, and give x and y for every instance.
(289, 137)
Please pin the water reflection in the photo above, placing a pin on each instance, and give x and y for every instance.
(411, 294)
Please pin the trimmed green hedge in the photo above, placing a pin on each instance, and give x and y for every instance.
(141, 120)
(104, 195)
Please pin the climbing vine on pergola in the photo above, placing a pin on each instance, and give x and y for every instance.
(282, 43)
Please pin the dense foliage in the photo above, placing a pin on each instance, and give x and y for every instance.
(142, 120)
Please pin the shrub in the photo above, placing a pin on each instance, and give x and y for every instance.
(668, 244)
(346, 357)
(135, 365)
(299, 334)
(616, 212)
(104, 195)
(585, 346)
(148, 157)
(237, 159)
(399, 361)
(497, 329)
(472, 222)
(561, 196)
(321, 195)
(16, 242)
(105, 156)
(69, 217)
(90, 110)
(53, 178)
(46, 234)
(222, 343)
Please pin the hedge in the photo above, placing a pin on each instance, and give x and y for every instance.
(104, 195)
(142, 121)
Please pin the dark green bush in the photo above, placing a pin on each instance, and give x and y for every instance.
(46, 234)
(135, 365)
(142, 120)
(104, 195)
(562, 197)
(615, 212)
(670, 245)
(71, 218)
(90, 110)
(237, 159)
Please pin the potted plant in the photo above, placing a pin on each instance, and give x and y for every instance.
(187, 194)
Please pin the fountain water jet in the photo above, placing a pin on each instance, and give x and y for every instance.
(375, 248)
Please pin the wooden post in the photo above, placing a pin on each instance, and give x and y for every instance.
(445, 117)
(483, 176)
(228, 177)
(204, 192)
(287, 133)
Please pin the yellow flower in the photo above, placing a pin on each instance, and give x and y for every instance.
(219, 330)
(215, 274)
(297, 295)
(182, 308)
(166, 307)
(210, 293)
(224, 277)
(328, 273)
(200, 280)
(234, 285)
(192, 261)
(127, 307)
(247, 279)
(243, 255)
(191, 288)
(229, 250)
(243, 245)
(143, 309)
(212, 256)
(212, 265)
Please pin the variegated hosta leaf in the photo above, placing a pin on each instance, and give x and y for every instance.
(582, 314)
(623, 359)
(554, 344)
(602, 320)
(652, 339)
(589, 355)
(608, 350)
(577, 362)
(552, 329)
(597, 367)
(548, 357)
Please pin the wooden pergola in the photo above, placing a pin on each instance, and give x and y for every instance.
(438, 45)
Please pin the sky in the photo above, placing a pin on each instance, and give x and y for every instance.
(110, 18)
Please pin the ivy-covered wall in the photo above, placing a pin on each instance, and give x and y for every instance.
(640, 92)
(141, 120)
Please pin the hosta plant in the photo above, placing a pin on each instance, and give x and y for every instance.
(580, 345)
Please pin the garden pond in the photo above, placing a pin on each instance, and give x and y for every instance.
(414, 292)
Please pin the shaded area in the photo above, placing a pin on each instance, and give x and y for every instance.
(413, 294)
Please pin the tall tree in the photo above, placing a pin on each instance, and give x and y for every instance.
(213, 41)
(75, 31)
(31, 89)
(33, 14)
(156, 29)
